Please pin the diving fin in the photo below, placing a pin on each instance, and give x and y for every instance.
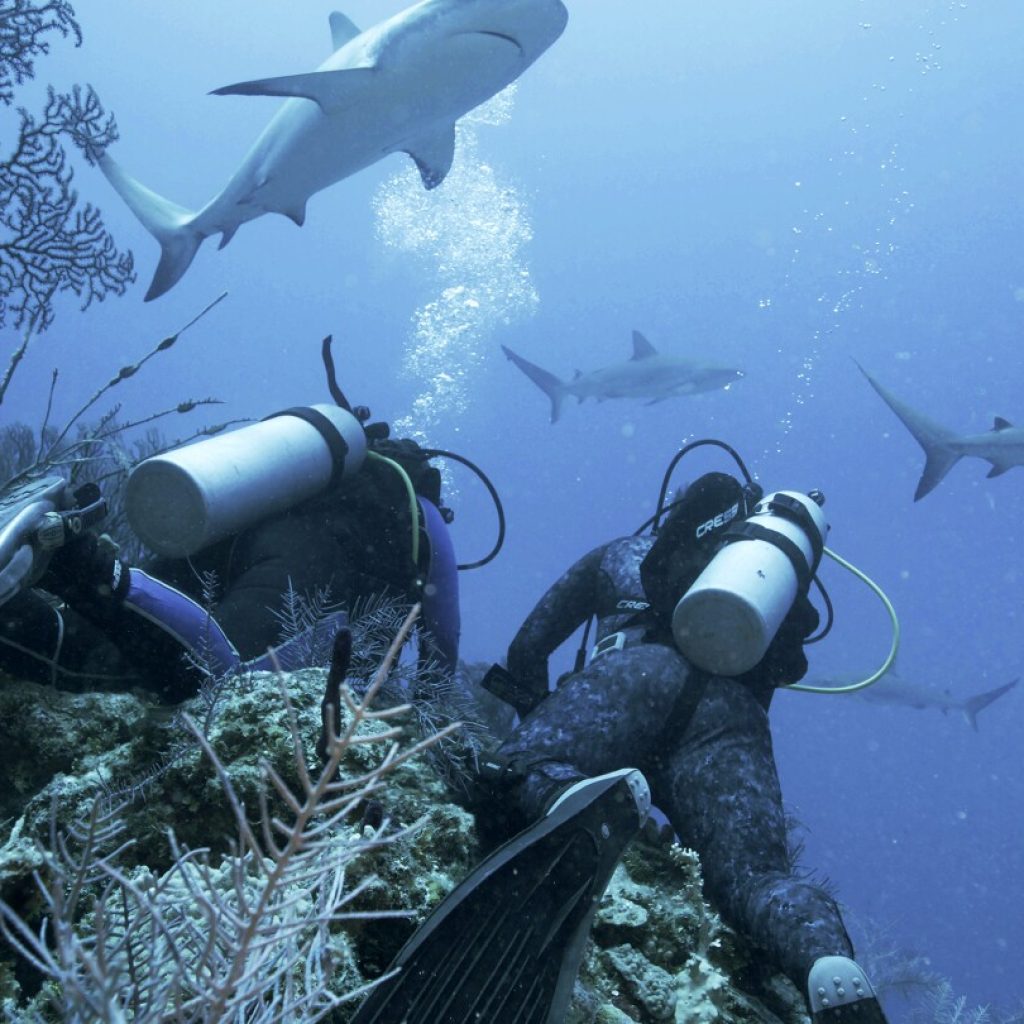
(839, 992)
(506, 944)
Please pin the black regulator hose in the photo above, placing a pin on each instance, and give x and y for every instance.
(492, 554)
(332, 380)
(363, 414)
(685, 450)
(830, 615)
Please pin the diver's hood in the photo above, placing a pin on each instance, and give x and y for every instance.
(689, 537)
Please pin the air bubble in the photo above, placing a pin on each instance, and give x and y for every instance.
(469, 235)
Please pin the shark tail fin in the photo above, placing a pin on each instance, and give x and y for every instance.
(973, 705)
(547, 382)
(934, 439)
(171, 225)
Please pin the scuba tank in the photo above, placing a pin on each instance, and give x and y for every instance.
(184, 500)
(729, 615)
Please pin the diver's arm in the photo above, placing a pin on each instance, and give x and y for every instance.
(569, 602)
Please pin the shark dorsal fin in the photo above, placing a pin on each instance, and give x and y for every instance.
(342, 30)
(434, 154)
(1001, 424)
(998, 469)
(576, 376)
(642, 348)
(332, 90)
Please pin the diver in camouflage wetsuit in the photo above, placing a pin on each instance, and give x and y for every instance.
(573, 783)
(703, 743)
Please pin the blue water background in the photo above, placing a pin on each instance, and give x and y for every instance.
(781, 188)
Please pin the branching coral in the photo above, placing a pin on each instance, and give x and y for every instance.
(249, 937)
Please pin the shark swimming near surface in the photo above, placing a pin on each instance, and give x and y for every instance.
(400, 86)
(899, 691)
(1002, 446)
(647, 374)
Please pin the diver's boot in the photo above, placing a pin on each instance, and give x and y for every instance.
(839, 992)
(506, 944)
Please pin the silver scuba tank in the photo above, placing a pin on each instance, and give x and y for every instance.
(184, 500)
(724, 623)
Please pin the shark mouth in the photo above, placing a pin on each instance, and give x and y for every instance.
(501, 35)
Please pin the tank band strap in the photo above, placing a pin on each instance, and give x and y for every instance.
(789, 508)
(336, 444)
(754, 531)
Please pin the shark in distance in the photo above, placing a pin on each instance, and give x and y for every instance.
(399, 86)
(1002, 446)
(648, 374)
(897, 690)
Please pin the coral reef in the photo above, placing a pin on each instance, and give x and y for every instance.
(659, 953)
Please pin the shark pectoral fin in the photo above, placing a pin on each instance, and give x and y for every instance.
(342, 30)
(642, 348)
(297, 214)
(434, 154)
(331, 90)
(998, 469)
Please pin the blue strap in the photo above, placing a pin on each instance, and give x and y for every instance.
(440, 602)
(184, 620)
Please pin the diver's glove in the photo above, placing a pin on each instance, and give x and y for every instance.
(86, 568)
(505, 686)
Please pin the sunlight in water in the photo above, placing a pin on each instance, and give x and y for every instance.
(469, 235)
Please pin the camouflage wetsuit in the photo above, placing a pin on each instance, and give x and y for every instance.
(714, 775)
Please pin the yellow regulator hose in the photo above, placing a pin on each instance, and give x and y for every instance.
(414, 509)
(887, 664)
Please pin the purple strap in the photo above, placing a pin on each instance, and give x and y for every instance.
(441, 619)
(201, 638)
(186, 621)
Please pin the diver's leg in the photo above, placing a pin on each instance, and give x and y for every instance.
(507, 942)
(601, 719)
(720, 789)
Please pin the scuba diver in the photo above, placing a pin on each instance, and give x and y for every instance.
(312, 502)
(697, 624)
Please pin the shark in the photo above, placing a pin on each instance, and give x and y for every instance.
(648, 373)
(399, 86)
(1002, 446)
(896, 690)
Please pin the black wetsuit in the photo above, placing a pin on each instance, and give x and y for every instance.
(710, 766)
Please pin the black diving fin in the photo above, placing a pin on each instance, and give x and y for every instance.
(506, 944)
